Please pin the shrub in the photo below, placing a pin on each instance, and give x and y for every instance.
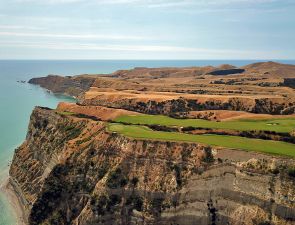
(275, 171)
(157, 204)
(134, 181)
(177, 170)
(264, 223)
(116, 179)
(135, 202)
(291, 172)
(208, 158)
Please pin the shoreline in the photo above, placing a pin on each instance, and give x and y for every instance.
(10, 194)
(14, 201)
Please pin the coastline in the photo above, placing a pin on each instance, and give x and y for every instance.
(13, 197)
(9, 193)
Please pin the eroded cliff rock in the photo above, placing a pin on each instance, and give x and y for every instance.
(182, 106)
(72, 86)
(72, 171)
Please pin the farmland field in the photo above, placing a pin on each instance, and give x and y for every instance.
(266, 146)
(283, 125)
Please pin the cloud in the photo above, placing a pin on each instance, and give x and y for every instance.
(205, 3)
(114, 47)
(18, 27)
(72, 36)
(153, 3)
(104, 2)
(113, 51)
(48, 1)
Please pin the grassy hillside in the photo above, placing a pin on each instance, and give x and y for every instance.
(285, 125)
(266, 146)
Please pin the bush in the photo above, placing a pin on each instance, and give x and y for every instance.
(291, 172)
(264, 223)
(157, 205)
(177, 170)
(208, 158)
(134, 181)
(116, 179)
(136, 202)
(275, 171)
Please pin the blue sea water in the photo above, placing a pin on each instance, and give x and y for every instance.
(17, 100)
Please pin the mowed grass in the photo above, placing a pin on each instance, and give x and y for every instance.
(235, 142)
(285, 125)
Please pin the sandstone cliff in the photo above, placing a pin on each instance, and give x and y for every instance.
(72, 86)
(182, 106)
(257, 88)
(70, 170)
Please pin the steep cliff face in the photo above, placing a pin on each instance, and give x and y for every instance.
(72, 171)
(183, 105)
(46, 139)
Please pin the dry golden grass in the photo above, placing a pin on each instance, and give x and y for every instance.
(99, 112)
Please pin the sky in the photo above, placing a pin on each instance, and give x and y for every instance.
(147, 29)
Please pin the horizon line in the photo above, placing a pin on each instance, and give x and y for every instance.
(43, 59)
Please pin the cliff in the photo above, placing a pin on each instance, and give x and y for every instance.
(263, 88)
(71, 170)
(182, 105)
(72, 86)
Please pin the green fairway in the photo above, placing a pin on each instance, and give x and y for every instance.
(285, 125)
(272, 147)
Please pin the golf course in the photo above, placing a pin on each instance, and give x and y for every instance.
(235, 142)
(280, 125)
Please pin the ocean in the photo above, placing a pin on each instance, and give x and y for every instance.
(18, 99)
